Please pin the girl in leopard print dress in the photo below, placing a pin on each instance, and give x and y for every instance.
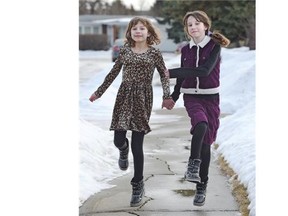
(138, 59)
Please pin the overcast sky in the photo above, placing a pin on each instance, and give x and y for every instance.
(137, 4)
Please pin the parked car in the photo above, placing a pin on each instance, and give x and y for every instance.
(116, 48)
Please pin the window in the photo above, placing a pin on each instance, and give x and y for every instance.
(87, 30)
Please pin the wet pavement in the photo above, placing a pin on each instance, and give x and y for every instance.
(166, 151)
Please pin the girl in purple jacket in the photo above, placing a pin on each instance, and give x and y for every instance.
(198, 80)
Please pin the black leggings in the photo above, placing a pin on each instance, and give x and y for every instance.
(137, 140)
(205, 157)
(200, 150)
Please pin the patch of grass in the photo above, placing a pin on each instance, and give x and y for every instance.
(239, 191)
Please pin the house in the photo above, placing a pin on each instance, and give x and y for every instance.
(114, 26)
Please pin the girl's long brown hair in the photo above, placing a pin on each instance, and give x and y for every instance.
(201, 16)
(154, 35)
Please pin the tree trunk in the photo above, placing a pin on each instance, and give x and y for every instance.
(251, 34)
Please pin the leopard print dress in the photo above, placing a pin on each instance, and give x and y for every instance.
(134, 99)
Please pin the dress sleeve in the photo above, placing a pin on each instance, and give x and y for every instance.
(110, 77)
(200, 71)
(160, 65)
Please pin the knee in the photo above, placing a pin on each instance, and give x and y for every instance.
(119, 142)
(119, 138)
(201, 127)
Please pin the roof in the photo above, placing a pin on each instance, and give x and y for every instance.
(120, 20)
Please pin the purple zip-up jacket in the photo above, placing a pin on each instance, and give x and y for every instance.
(200, 69)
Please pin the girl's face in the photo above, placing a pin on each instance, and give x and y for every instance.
(195, 28)
(139, 32)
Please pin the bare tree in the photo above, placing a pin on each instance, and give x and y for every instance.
(90, 6)
(83, 7)
(141, 4)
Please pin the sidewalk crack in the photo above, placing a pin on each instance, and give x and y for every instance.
(168, 166)
(143, 204)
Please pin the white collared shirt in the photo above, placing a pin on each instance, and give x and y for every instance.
(201, 44)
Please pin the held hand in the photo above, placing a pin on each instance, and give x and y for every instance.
(93, 97)
(168, 103)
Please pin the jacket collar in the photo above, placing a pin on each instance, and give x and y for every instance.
(201, 44)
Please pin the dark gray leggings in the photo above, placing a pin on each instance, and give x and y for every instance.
(201, 150)
(137, 140)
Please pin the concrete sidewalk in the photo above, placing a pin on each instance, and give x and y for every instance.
(166, 151)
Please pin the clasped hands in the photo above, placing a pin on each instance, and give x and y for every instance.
(168, 103)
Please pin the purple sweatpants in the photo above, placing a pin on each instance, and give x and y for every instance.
(203, 109)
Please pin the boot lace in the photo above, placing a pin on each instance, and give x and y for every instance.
(124, 153)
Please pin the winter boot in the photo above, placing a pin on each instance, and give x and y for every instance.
(199, 199)
(123, 157)
(192, 173)
(137, 193)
